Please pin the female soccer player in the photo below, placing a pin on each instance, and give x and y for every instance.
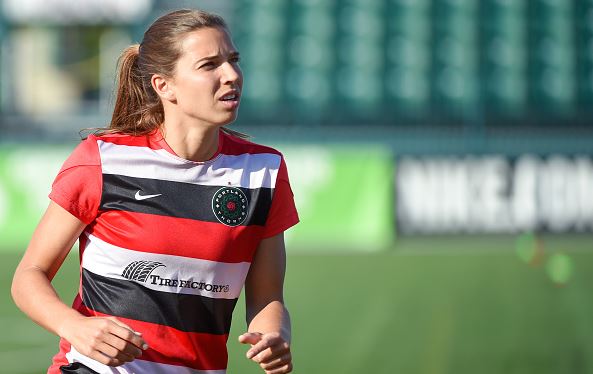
(174, 213)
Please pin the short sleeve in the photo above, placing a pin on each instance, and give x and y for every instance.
(283, 213)
(77, 187)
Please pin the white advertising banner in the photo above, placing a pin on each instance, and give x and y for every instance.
(81, 11)
(494, 194)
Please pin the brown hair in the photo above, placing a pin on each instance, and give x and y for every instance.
(138, 109)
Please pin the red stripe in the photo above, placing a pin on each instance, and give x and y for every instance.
(173, 347)
(178, 236)
(236, 146)
(134, 141)
(60, 358)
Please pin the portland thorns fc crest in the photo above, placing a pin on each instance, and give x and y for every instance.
(229, 205)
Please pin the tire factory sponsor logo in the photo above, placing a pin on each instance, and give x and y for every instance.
(141, 271)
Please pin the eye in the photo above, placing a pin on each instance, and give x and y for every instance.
(208, 65)
(235, 59)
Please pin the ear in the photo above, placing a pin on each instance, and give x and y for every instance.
(163, 87)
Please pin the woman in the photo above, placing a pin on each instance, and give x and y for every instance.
(174, 213)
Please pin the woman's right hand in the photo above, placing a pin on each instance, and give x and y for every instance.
(104, 339)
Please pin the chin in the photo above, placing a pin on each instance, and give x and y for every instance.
(228, 119)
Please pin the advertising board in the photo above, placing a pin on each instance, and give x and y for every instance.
(494, 194)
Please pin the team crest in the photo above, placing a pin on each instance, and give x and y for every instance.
(230, 205)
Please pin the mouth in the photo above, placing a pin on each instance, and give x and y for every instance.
(230, 100)
(231, 96)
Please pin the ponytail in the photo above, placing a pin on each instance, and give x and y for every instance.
(137, 110)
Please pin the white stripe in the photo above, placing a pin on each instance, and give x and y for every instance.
(246, 170)
(135, 367)
(200, 277)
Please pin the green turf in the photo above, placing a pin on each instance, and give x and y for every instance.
(434, 305)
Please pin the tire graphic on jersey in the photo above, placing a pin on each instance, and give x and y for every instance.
(230, 206)
(140, 270)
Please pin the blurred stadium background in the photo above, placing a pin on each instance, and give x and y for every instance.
(440, 151)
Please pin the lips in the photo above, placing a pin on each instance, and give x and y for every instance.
(230, 100)
(233, 95)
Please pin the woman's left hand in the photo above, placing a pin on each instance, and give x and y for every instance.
(269, 350)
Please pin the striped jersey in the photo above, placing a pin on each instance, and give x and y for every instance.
(169, 242)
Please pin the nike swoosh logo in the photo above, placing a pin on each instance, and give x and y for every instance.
(144, 197)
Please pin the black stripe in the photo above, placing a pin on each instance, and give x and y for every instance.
(128, 299)
(181, 200)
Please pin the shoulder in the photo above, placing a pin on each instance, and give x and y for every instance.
(86, 153)
(122, 139)
(236, 146)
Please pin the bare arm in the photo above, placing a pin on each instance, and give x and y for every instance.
(267, 317)
(104, 339)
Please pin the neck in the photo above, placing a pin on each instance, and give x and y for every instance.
(195, 143)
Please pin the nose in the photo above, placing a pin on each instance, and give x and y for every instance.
(231, 73)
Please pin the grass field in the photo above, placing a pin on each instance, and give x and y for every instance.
(430, 306)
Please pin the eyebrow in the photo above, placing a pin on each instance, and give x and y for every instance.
(214, 57)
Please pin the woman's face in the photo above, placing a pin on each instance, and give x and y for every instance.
(207, 82)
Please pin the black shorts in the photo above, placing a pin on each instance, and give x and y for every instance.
(76, 367)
